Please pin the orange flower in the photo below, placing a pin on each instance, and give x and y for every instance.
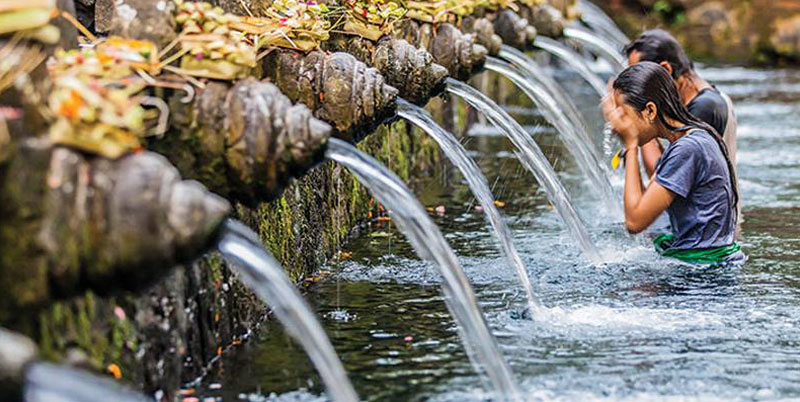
(115, 371)
(70, 107)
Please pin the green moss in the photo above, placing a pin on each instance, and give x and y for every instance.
(99, 333)
(215, 267)
(122, 337)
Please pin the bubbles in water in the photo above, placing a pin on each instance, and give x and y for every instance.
(301, 395)
(340, 315)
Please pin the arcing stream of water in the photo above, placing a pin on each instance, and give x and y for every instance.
(533, 159)
(600, 46)
(577, 62)
(480, 189)
(265, 276)
(574, 60)
(531, 70)
(412, 219)
(595, 18)
(585, 157)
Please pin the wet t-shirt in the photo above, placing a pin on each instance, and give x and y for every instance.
(710, 107)
(702, 214)
(716, 109)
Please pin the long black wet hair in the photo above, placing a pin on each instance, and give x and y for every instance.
(658, 45)
(647, 82)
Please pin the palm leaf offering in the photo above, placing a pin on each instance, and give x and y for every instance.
(30, 18)
(209, 46)
(113, 58)
(18, 58)
(96, 118)
(532, 3)
(372, 19)
(495, 5)
(96, 98)
(301, 25)
(452, 10)
(219, 45)
(438, 11)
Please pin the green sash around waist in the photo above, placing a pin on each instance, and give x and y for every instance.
(711, 256)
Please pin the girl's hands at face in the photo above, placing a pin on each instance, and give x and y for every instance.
(625, 127)
(620, 123)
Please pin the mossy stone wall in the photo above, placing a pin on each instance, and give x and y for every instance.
(167, 335)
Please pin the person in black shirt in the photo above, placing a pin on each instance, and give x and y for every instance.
(701, 98)
(711, 107)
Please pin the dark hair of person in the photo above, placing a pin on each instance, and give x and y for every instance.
(658, 45)
(649, 82)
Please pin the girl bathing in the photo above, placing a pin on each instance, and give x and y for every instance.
(693, 178)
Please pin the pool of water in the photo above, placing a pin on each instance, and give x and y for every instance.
(637, 327)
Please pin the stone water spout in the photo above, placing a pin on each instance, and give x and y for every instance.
(16, 353)
(484, 31)
(459, 52)
(495, 26)
(245, 140)
(515, 30)
(339, 89)
(547, 20)
(23, 377)
(72, 222)
(409, 69)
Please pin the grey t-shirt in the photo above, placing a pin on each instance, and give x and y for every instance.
(710, 107)
(702, 214)
(716, 109)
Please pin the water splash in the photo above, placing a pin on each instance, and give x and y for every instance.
(265, 276)
(599, 45)
(573, 59)
(46, 382)
(479, 186)
(411, 218)
(533, 159)
(577, 146)
(611, 142)
(600, 22)
(625, 319)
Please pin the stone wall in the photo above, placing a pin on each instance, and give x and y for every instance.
(741, 31)
(166, 336)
